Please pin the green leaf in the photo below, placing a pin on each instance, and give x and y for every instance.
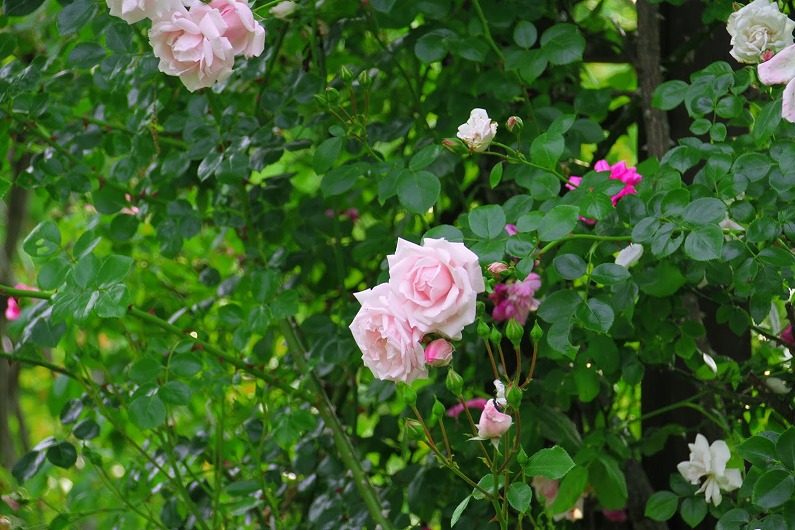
(586, 381)
(525, 34)
(562, 44)
(209, 165)
(519, 496)
(147, 412)
(558, 222)
(610, 274)
(663, 280)
(73, 16)
(114, 269)
(546, 150)
(341, 179)
(766, 121)
(778, 257)
(86, 55)
(28, 465)
(669, 95)
(559, 306)
(705, 243)
(553, 463)
(752, 166)
(571, 487)
(661, 506)
(175, 393)
(418, 191)
(62, 454)
(595, 315)
(86, 430)
(145, 371)
(185, 364)
(773, 489)
(71, 411)
(758, 450)
(495, 176)
(43, 241)
(425, 157)
(432, 46)
(326, 154)
(459, 510)
(693, 510)
(608, 482)
(20, 8)
(487, 222)
(5, 185)
(734, 519)
(487, 484)
(707, 210)
(243, 487)
(569, 266)
(785, 448)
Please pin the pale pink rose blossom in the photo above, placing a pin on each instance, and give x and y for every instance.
(780, 70)
(438, 353)
(244, 33)
(474, 403)
(515, 300)
(132, 11)
(191, 44)
(390, 346)
(436, 285)
(493, 423)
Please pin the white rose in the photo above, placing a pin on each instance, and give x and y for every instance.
(709, 461)
(283, 10)
(756, 28)
(132, 11)
(629, 255)
(478, 131)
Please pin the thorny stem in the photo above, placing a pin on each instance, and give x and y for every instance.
(475, 430)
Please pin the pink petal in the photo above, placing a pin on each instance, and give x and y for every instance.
(780, 69)
(788, 102)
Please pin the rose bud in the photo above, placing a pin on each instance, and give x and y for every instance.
(438, 353)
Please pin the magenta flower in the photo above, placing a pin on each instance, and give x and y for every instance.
(12, 309)
(619, 171)
(788, 336)
(511, 229)
(515, 300)
(615, 516)
(475, 403)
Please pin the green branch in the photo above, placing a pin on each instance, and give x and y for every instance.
(341, 440)
(550, 246)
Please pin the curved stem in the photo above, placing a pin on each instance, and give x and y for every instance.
(553, 244)
(341, 440)
(487, 31)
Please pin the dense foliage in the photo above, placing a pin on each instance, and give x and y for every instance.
(177, 353)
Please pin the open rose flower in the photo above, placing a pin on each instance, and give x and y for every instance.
(244, 33)
(191, 44)
(132, 11)
(390, 346)
(709, 462)
(478, 131)
(758, 28)
(436, 285)
(780, 70)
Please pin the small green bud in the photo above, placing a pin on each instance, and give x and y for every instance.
(332, 95)
(495, 336)
(407, 393)
(514, 396)
(522, 457)
(364, 78)
(346, 74)
(536, 333)
(454, 145)
(437, 412)
(414, 429)
(454, 383)
(514, 331)
(483, 330)
(514, 123)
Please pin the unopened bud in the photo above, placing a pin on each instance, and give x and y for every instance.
(495, 336)
(414, 429)
(514, 396)
(438, 353)
(346, 74)
(497, 268)
(522, 457)
(364, 78)
(454, 145)
(483, 330)
(514, 331)
(536, 333)
(454, 383)
(437, 411)
(514, 122)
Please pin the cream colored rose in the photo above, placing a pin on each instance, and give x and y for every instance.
(479, 130)
(756, 28)
(132, 11)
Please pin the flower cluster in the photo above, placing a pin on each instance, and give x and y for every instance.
(619, 171)
(709, 462)
(432, 290)
(762, 33)
(197, 42)
(515, 300)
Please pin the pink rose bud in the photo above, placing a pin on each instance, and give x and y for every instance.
(12, 310)
(493, 423)
(438, 353)
(514, 122)
(454, 145)
(767, 55)
(511, 229)
(497, 268)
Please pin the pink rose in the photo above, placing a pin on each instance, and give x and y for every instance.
(390, 346)
(475, 403)
(497, 268)
(132, 11)
(438, 353)
(515, 300)
(546, 488)
(493, 423)
(12, 309)
(619, 171)
(191, 44)
(436, 285)
(244, 33)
